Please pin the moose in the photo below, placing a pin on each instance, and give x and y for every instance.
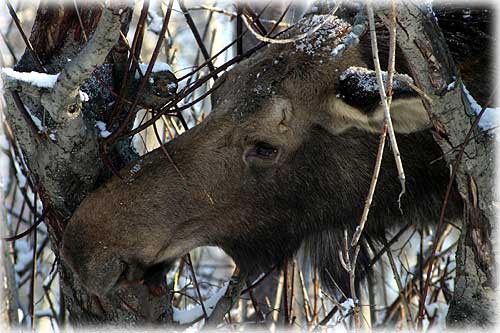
(283, 161)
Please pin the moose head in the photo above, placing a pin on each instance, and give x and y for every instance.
(284, 160)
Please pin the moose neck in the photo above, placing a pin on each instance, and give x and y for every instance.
(349, 168)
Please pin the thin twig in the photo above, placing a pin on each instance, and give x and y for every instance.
(393, 240)
(293, 39)
(259, 281)
(51, 305)
(282, 16)
(197, 286)
(234, 14)
(32, 52)
(239, 30)
(292, 291)
(383, 97)
(27, 231)
(286, 286)
(305, 296)
(80, 21)
(402, 293)
(383, 134)
(197, 37)
(259, 317)
(316, 296)
(33, 269)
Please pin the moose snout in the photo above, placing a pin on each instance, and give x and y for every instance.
(102, 272)
(97, 264)
(98, 271)
(122, 232)
(102, 264)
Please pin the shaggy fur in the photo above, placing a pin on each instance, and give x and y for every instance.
(260, 209)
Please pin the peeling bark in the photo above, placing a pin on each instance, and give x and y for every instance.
(8, 288)
(64, 156)
(433, 69)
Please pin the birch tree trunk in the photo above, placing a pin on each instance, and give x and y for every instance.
(8, 289)
(64, 157)
(433, 69)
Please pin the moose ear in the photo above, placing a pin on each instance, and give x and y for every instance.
(356, 104)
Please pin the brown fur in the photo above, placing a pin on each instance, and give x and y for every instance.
(260, 211)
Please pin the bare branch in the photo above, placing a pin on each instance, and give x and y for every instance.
(383, 97)
(65, 92)
(311, 31)
(231, 14)
(402, 294)
(381, 147)
(225, 304)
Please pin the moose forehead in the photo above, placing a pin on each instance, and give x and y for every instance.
(254, 84)
(300, 71)
(251, 84)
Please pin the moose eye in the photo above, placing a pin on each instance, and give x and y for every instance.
(264, 150)
(261, 155)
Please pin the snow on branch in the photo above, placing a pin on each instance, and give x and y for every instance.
(490, 121)
(40, 80)
(66, 89)
(44, 112)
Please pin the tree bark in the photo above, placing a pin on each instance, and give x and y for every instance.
(434, 71)
(63, 157)
(8, 289)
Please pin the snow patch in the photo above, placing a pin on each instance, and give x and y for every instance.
(347, 305)
(192, 314)
(4, 143)
(490, 119)
(102, 128)
(158, 67)
(156, 22)
(37, 79)
(84, 97)
(438, 310)
(367, 80)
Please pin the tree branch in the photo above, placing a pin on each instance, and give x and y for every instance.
(65, 92)
(433, 70)
(225, 304)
